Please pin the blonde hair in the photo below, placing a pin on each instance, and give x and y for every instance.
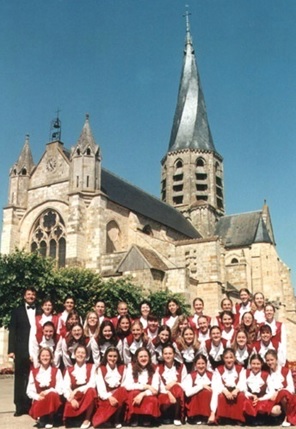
(86, 329)
(176, 327)
(182, 343)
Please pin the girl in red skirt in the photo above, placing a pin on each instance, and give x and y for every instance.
(228, 332)
(198, 305)
(198, 390)
(180, 324)
(79, 389)
(123, 333)
(112, 396)
(164, 338)
(257, 393)
(107, 337)
(135, 341)
(46, 316)
(171, 397)
(44, 388)
(189, 346)
(214, 348)
(142, 383)
(257, 307)
(241, 348)
(248, 323)
(228, 384)
(173, 310)
(281, 382)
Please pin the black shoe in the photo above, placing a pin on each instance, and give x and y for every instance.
(146, 422)
(134, 422)
(18, 413)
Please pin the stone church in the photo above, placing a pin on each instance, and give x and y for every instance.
(69, 207)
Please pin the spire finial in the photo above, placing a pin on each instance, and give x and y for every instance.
(87, 116)
(186, 15)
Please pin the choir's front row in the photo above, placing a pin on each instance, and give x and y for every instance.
(145, 394)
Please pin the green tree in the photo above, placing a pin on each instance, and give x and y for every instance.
(114, 291)
(159, 300)
(21, 269)
(18, 271)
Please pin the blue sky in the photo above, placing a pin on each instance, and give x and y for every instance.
(120, 61)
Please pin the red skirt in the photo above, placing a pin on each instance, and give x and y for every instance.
(50, 404)
(105, 410)
(262, 407)
(291, 410)
(148, 406)
(85, 400)
(231, 409)
(291, 404)
(199, 404)
(178, 393)
(282, 394)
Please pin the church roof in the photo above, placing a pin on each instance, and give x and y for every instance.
(138, 258)
(190, 127)
(242, 229)
(138, 201)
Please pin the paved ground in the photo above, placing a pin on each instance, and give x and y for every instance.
(8, 421)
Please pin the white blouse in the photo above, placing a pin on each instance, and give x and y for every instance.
(191, 388)
(254, 383)
(80, 375)
(112, 378)
(170, 375)
(44, 379)
(143, 378)
(276, 380)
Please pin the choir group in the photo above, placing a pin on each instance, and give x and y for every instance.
(198, 369)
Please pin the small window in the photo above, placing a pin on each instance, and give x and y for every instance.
(78, 151)
(200, 162)
(178, 200)
(201, 176)
(234, 261)
(88, 151)
(218, 181)
(179, 164)
(24, 171)
(87, 181)
(201, 187)
(201, 198)
(147, 230)
(178, 177)
(178, 188)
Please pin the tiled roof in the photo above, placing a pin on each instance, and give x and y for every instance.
(138, 201)
(242, 229)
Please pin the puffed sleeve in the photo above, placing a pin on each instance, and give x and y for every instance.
(31, 388)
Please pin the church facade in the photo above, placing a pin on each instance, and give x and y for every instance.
(68, 207)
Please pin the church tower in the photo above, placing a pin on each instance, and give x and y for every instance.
(85, 173)
(19, 177)
(192, 169)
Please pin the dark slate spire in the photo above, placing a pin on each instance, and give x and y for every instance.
(190, 128)
(25, 161)
(262, 235)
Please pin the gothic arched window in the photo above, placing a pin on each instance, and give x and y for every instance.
(113, 237)
(219, 185)
(49, 237)
(201, 182)
(178, 182)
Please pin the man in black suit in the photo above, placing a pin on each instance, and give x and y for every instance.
(22, 318)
